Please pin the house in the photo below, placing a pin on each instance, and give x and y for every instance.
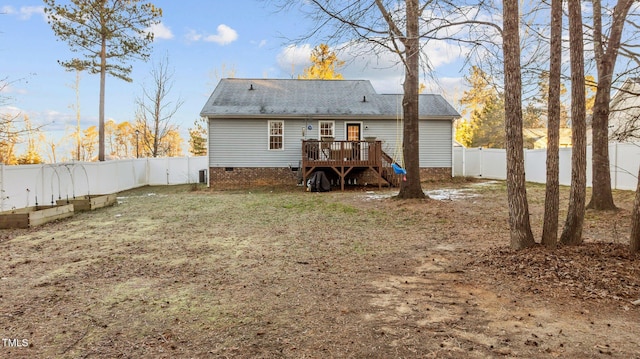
(536, 138)
(277, 131)
(624, 116)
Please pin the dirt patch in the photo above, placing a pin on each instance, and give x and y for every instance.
(170, 272)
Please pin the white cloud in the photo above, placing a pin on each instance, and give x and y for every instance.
(27, 11)
(225, 35)
(383, 68)
(294, 58)
(160, 31)
(24, 13)
(7, 9)
(193, 36)
(11, 111)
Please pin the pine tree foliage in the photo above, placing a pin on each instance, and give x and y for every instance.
(198, 138)
(108, 34)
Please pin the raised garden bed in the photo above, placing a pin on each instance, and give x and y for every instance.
(90, 202)
(34, 216)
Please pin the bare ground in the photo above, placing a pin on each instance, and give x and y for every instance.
(183, 272)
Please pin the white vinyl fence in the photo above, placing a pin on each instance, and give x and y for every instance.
(492, 163)
(28, 185)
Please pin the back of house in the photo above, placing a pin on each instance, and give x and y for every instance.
(257, 128)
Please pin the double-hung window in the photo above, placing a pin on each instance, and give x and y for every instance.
(327, 130)
(276, 135)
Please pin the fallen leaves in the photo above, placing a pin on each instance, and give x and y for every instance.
(592, 271)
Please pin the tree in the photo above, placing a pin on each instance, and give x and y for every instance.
(198, 138)
(89, 142)
(110, 135)
(156, 110)
(324, 64)
(606, 52)
(383, 28)
(488, 124)
(9, 137)
(172, 144)
(544, 84)
(109, 33)
(77, 66)
(486, 112)
(519, 224)
(11, 130)
(125, 140)
(480, 92)
(572, 231)
(552, 189)
(34, 138)
(464, 132)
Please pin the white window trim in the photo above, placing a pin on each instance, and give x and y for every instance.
(269, 135)
(333, 127)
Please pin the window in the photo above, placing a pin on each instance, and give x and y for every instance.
(276, 135)
(327, 129)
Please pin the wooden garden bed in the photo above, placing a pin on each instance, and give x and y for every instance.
(34, 216)
(90, 202)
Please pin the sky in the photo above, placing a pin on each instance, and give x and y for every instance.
(202, 40)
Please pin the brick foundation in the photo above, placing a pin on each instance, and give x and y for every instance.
(244, 177)
(247, 177)
(435, 174)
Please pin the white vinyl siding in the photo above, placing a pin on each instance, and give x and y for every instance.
(436, 143)
(244, 143)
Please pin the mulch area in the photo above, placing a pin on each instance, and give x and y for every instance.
(591, 271)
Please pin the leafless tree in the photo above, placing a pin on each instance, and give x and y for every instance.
(155, 109)
(552, 192)
(606, 53)
(520, 227)
(12, 127)
(385, 26)
(572, 231)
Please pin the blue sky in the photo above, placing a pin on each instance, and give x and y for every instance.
(200, 38)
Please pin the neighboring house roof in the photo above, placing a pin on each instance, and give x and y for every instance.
(537, 137)
(243, 98)
(624, 116)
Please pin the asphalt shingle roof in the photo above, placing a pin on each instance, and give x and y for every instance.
(256, 97)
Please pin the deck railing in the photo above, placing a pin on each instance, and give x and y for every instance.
(341, 153)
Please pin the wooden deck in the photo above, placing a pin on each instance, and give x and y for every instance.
(344, 156)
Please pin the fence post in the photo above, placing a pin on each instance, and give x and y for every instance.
(615, 165)
(464, 161)
(481, 160)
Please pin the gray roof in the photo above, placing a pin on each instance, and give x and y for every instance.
(251, 98)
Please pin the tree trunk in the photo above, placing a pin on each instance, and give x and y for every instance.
(552, 193)
(634, 243)
(103, 77)
(411, 188)
(572, 231)
(601, 196)
(520, 227)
